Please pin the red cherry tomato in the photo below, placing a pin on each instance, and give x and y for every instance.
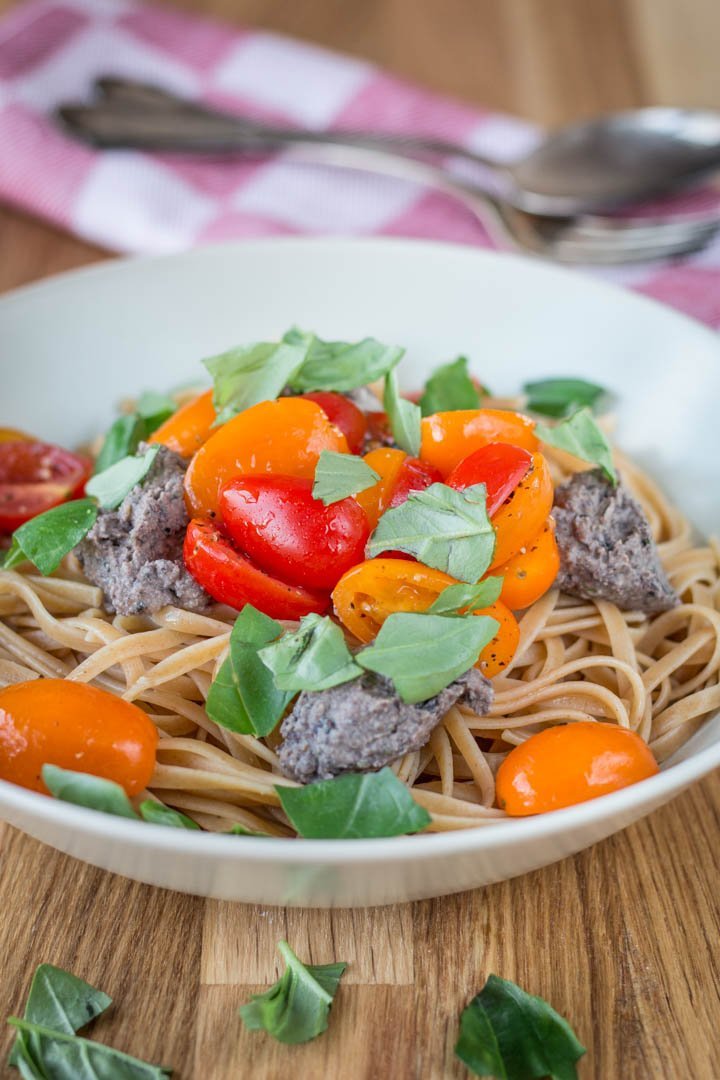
(36, 476)
(499, 466)
(344, 414)
(414, 475)
(232, 579)
(277, 522)
(378, 431)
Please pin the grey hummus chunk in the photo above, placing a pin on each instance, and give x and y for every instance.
(134, 553)
(364, 724)
(606, 548)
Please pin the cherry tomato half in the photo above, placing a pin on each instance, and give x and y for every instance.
(36, 476)
(387, 463)
(528, 575)
(74, 726)
(414, 475)
(449, 437)
(188, 428)
(277, 522)
(524, 512)
(499, 466)
(233, 579)
(569, 764)
(344, 414)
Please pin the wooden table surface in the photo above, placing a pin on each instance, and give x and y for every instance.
(622, 939)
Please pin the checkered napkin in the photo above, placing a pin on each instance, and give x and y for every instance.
(52, 50)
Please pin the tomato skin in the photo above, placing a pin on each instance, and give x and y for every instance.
(499, 466)
(285, 436)
(528, 575)
(570, 764)
(74, 726)
(13, 435)
(36, 476)
(188, 428)
(387, 463)
(344, 414)
(524, 512)
(231, 578)
(450, 437)
(276, 521)
(414, 475)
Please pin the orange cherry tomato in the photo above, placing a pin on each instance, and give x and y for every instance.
(74, 726)
(529, 574)
(367, 594)
(524, 512)
(8, 434)
(285, 436)
(449, 437)
(187, 429)
(387, 463)
(569, 764)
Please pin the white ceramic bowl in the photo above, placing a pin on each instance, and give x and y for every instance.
(72, 347)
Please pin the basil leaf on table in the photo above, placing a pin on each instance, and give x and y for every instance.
(339, 475)
(448, 388)
(83, 789)
(455, 598)
(156, 813)
(154, 409)
(45, 540)
(422, 654)
(403, 416)
(249, 374)
(54, 1055)
(313, 657)
(354, 806)
(341, 365)
(508, 1033)
(447, 529)
(558, 397)
(111, 486)
(243, 697)
(122, 440)
(295, 1009)
(580, 436)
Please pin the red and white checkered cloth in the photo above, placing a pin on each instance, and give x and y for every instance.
(52, 50)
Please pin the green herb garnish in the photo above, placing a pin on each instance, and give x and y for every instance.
(403, 416)
(559, 397)
(244, 696)
(341, 365)
(249, 374)
(456, 598)
(156, 813)
(44, 1053)
(339, 475)
(83, 789)
(313, 657)
(127, 432)
(353, 807)
(449, 388)
(111, 486)
(155, 409)
(443, 528)
(296, 1008)
(580, 436)
(45, 540)
(509, 1034)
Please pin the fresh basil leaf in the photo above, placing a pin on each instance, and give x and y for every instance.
(341, 365)
(455, 598)
(240, 830)
(403, 416)
(354, 806)
(157, 814)
(111, 486)
(559, 397)
(45, 540)
(449, 388)
(422, 654)
(243, 696)
(313, 657)
(154, 409)
(83, 789)
(580, 436)
(339, 475)
(249, 374)
(122, 440)
(507, 1033)
(61, 1001)
(57, 1056)
(443, 528)
(296, 1008)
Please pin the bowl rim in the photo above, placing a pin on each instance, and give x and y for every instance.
(333, 852)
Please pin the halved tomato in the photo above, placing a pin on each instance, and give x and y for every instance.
(34, 477)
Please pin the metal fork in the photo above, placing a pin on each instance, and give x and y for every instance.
(134, 115)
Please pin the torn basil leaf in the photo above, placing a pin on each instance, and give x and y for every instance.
(243, 696)
(45, 1053)
(580, 436)
(83, 789)
(111, 486)
(249, 374)
(443, 528)
(339, 475)
(449, 388)
(313, 657)
(403, 416)
(296, 1008)
(156, 813)
(154, 409)
(422, 653)
(559, 397)
(341, 365)
(354, 806)
(45, 540)
(61, 1001)
(508, 1033)
(122, 440)
(455, 598)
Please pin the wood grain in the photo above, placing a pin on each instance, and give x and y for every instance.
(623, 938)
